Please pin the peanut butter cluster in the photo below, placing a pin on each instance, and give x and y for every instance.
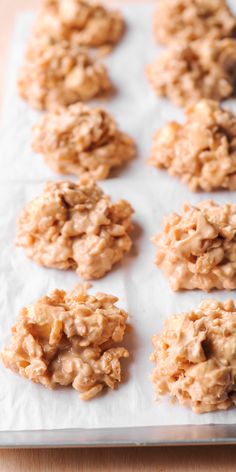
(58, 73)
(197, 249)
(75, 226)
(202, 151)
(81, 22)
(195, 358)
(69, 339)
(188, 20)
(188, 72)
(82, 140)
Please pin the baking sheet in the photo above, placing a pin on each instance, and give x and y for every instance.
(141, 287)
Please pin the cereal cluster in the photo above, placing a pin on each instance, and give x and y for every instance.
(201, 151)
(82, 140)
(75, 226)
(58, 68)
(81, 22)
(60, 74)
(195, 357)
(187, 72)
(196, 249)
(188, 20)
(69, 339)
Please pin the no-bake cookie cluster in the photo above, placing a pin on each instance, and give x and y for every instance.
(188, 72)
(81, 140)
(201, 151)
(196, 249)
(60, 74)
(69, 338)
(59, 68)
(81, 22)
(195, 357)
(188, 20)
(75, 226)
(200, 59)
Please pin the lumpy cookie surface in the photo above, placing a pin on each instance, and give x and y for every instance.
(196, 249)
(81, 22)
(82, 140)
(75, 226)
(188, 72)
(188, 20)
(195, 357)
(58, 73)
(69, 338)
(201, 152)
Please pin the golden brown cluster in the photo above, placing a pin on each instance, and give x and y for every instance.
(201, 152)
(81, 22)
(196, 249)
(188, 20)
(59, 69)
(75, 226)
(188, 72)
(195, 357)
(69, 339)
(60, 74)
(82, 140)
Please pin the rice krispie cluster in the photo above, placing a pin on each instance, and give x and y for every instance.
(197, 249)
(202, 151)
(188, 72)
(81, 22)
(75, 226)
(69, 339)
(60, 74)
(188, 20)
(82, 140)
(195, 357)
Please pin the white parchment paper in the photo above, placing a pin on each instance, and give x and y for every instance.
(141, 287)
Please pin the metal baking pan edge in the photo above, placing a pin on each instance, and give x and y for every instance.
(116, 437)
